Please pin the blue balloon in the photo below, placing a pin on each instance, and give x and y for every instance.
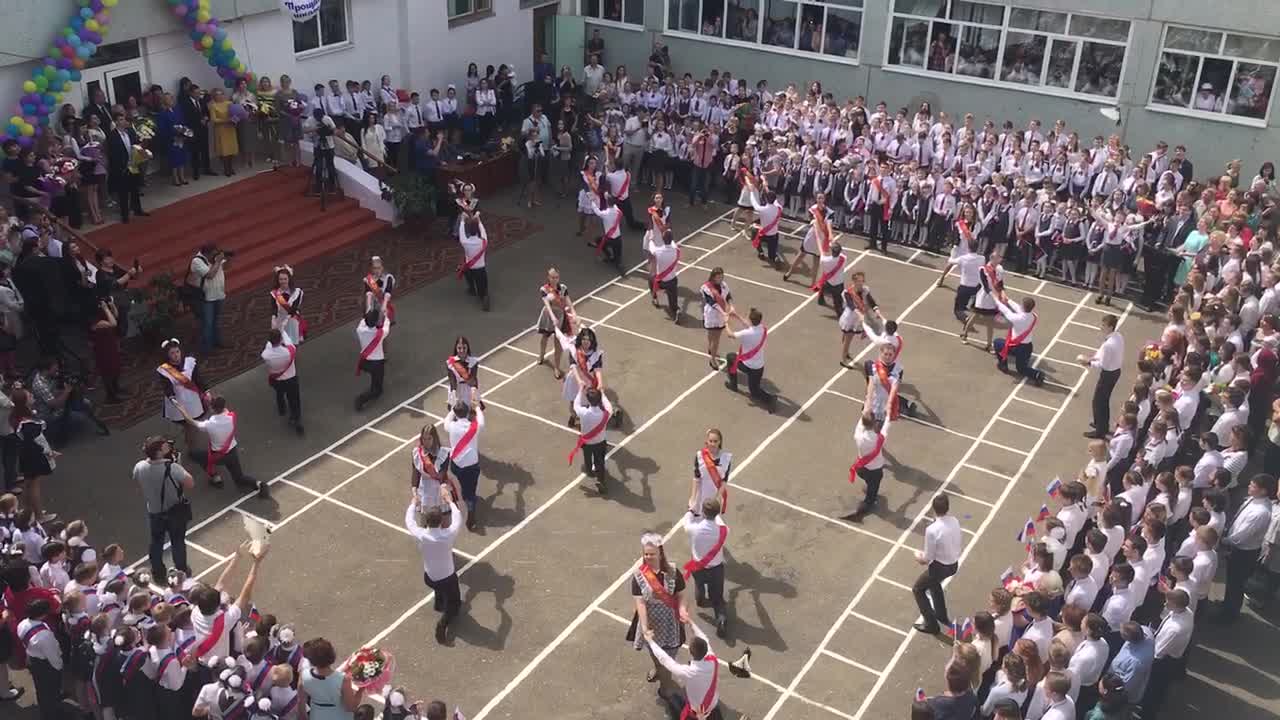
(86, 13)
(75, 41)
(220, 35)
(75, 76)
(64, 75)
(213, 62)
(28, 109)
(92, 48)
(76, 23)
(195, 35)
(83, 52)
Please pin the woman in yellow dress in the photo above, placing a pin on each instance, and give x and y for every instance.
(225, 144)
(268, 121)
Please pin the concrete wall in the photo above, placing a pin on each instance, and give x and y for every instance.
(1211, 142)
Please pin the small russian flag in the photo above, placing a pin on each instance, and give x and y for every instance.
(1006, 576)
(966, 630)
(1043, 514)
(1054, 487)
(920, 696)
(1028, 532)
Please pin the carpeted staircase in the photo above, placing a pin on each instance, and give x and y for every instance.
(263, 219)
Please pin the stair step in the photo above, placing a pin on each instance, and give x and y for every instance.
(330, 243)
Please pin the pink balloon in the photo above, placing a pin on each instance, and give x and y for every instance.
(201, 27)
(180, 10)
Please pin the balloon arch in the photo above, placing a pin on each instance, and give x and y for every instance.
(77, 41)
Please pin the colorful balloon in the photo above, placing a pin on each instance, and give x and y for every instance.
(28, 86)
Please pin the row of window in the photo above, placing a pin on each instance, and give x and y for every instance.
(1067, 53)
(329, 27)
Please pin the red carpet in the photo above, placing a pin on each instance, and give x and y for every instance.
(264, 219)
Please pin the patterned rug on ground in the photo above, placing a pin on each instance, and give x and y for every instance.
(416, 257)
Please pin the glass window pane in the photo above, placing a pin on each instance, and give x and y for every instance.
(846, 3)
(741, 20)
(1249, 46)
(1215, 81)
(811, 27)
(689, 16)
(1251, 93)
(1100, 66)
(1041, 20)
(712, 18)
(978, 50)
(908, 42)
(1023, 58)
(1100, 28)
(942, 48)
(306, 35)
(1175, 80)
(977, 12)
(1062, 60)
(634, 11)
(844, 30)
(780, 23)
(923, 8)
(1180, 38)
(612, 10)
(333, 22)
(462, 7)
(486, 5)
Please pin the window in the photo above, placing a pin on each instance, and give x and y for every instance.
(468, 8)
(1063, 52)
(831, 28)
(1216, 73)
(630, 12)
(327, 29)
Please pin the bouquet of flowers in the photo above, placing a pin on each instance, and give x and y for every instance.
(68, 169)
(370, 667)
(296, 107)
(138, 158)
(93, 151)
(145, 127)
(237, 112)
(51, 185)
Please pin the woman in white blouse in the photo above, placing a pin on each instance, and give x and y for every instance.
(1011, 682)
(661, 153)
(393, 129)
(373, 140)
(486, 106)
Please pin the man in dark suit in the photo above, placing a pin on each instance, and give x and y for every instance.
(196, 117)
(1159, 256)
(99, 107)
(121, 140)
(1181, 165)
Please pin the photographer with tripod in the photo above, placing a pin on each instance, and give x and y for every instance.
(324, 176)
(164, 484)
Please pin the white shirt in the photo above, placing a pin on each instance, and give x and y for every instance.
(42, 643)
(1021, 322)
(970, 266)
(1073, 517)
(54, 576)
(457, 427)
(866, 440)
(1000, 690)
(220, 428)
(1203, 568)
(751, 338)
(473, 245)
(1174, 634)
(1208, 463)
(1101, 567)
(1039, 707)
(1229, 419)
(1063, 710)
(1041, 633)
(277, 360)
(590, 417)
(1250, 524)
(665, 257)
(1119, 607)
(943, 541)
(703, 535)
(365, 335)
(1082, 593)
(202, 624)
(1110, 355)
(173, 676)
(1088, 661)
(696, 676)
(435, 544)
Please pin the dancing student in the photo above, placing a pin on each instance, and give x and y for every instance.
(747, 184)
(750, 357)
(817, 239)
(287, 310)
(619, 180)
(717, 306)
(869, 437)
(711, 466)
(991, 281)
(593, 410)
(463, 373)
(884, 375)
(1117, 235)
(463, 425)
(882, 196)
(371, 335)
(463, 203)
(474, 239)
(833, 265)
(379, 285)
(666, 266)
(182, 387)
(968, 226)
(1017, 341)
(435, 540)
(858, 308)
(588, 191)
(429, 470)
(768, 217)
(556, 312)
(587, 358)
(707, 534)
(660, 614)
(659, 217)
(223, 448)
(280, 356)
(609, 244)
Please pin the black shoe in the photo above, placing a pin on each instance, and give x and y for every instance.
(281, 410)
(471, 520)
(927, 629)
(704, 602)
(1095, 435)
(731, 385)
(143, 213)
(442, 631)
(722, 625)
(12, 694)
(264, 490)
(360, 402)
(297, 427)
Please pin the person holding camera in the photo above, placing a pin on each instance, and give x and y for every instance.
(165, 484)
(105, 337)
(58, 396)
(208, 288)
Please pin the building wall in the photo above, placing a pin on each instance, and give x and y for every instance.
(1210, 142)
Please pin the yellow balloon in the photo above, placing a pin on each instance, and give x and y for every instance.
(203, 4)
(226, 44)
(203, 16)
(91, 24)
(28, 87)
(206, 41)
(109, 3)
(27, 130)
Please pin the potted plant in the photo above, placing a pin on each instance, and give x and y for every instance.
(413, 196)
(159, 308)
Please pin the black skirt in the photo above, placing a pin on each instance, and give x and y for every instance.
(1114, 257)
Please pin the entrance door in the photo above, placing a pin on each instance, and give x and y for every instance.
(544, 34)
(118, 80)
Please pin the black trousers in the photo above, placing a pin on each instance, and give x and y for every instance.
(709, 584)
(836, 293)
(1159, 267)
(200, 152)
(1102, 399)
(593, 459)
(1164, 672)
(477, 281)
(612, 251)
(937, 231)
(288, 398)
(872, 478)
(770, 243)
(964, 295)
(448, 598)
(166, 525)
(754, 379)
(670, 288)
(48, 682)
(878, 228)
(126, 192)
(1240, 566)
(377, 370)
(468, 481)
(231, 461)
(929, 587)
(1021, 356)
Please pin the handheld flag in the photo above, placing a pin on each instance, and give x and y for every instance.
(966, 630)
(1006, 576)
(1054, 487)
(1028, 532)
(1043, 514)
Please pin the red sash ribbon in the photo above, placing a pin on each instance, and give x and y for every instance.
(581, 358)
(465, 440)
(283, 303)
(882, 373)
(694, 566)
(666, 273)
(659, 225)
(372, 284)
(272, 377)
(180, 378)
(469, 263)
(766, 230)
(821, 228)
(625, 191)
(705, 705)
(714, 292)
(659, 590)
(459, 368)
(862, 461)
(132, 665)
(884, 201)
(733, 369)
(965, 233)
(368, 349)
(589, 436)
(714, 471)
(165, 662)
(215, 634)
(429, 468)
(33, 631)
(1010, 341)
(617, 222)
(822, 281)
(993, 280)
(216, 454)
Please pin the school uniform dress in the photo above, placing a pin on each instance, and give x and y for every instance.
(587, 362)
(660, 591)
(438, 571)
(707, 487)
(379, 292)
(287, 313)
(463, 374)
(183, 385)
(35, 455)
(44, 660)
(857, 307)
(587, 198)
(558, 297)
(282, 374)
(373, 359)
(714, 316)
(812, 244)
(431, 472)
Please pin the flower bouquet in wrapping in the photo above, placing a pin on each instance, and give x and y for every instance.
(138, 158)
(237, 112)
(371, 668)
(93, 152)
(296, 107)
(266, 106)
(68, 169)
(145, 127)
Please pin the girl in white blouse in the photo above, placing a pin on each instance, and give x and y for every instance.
(486, 106)
(393, 131)
(1011, 682)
